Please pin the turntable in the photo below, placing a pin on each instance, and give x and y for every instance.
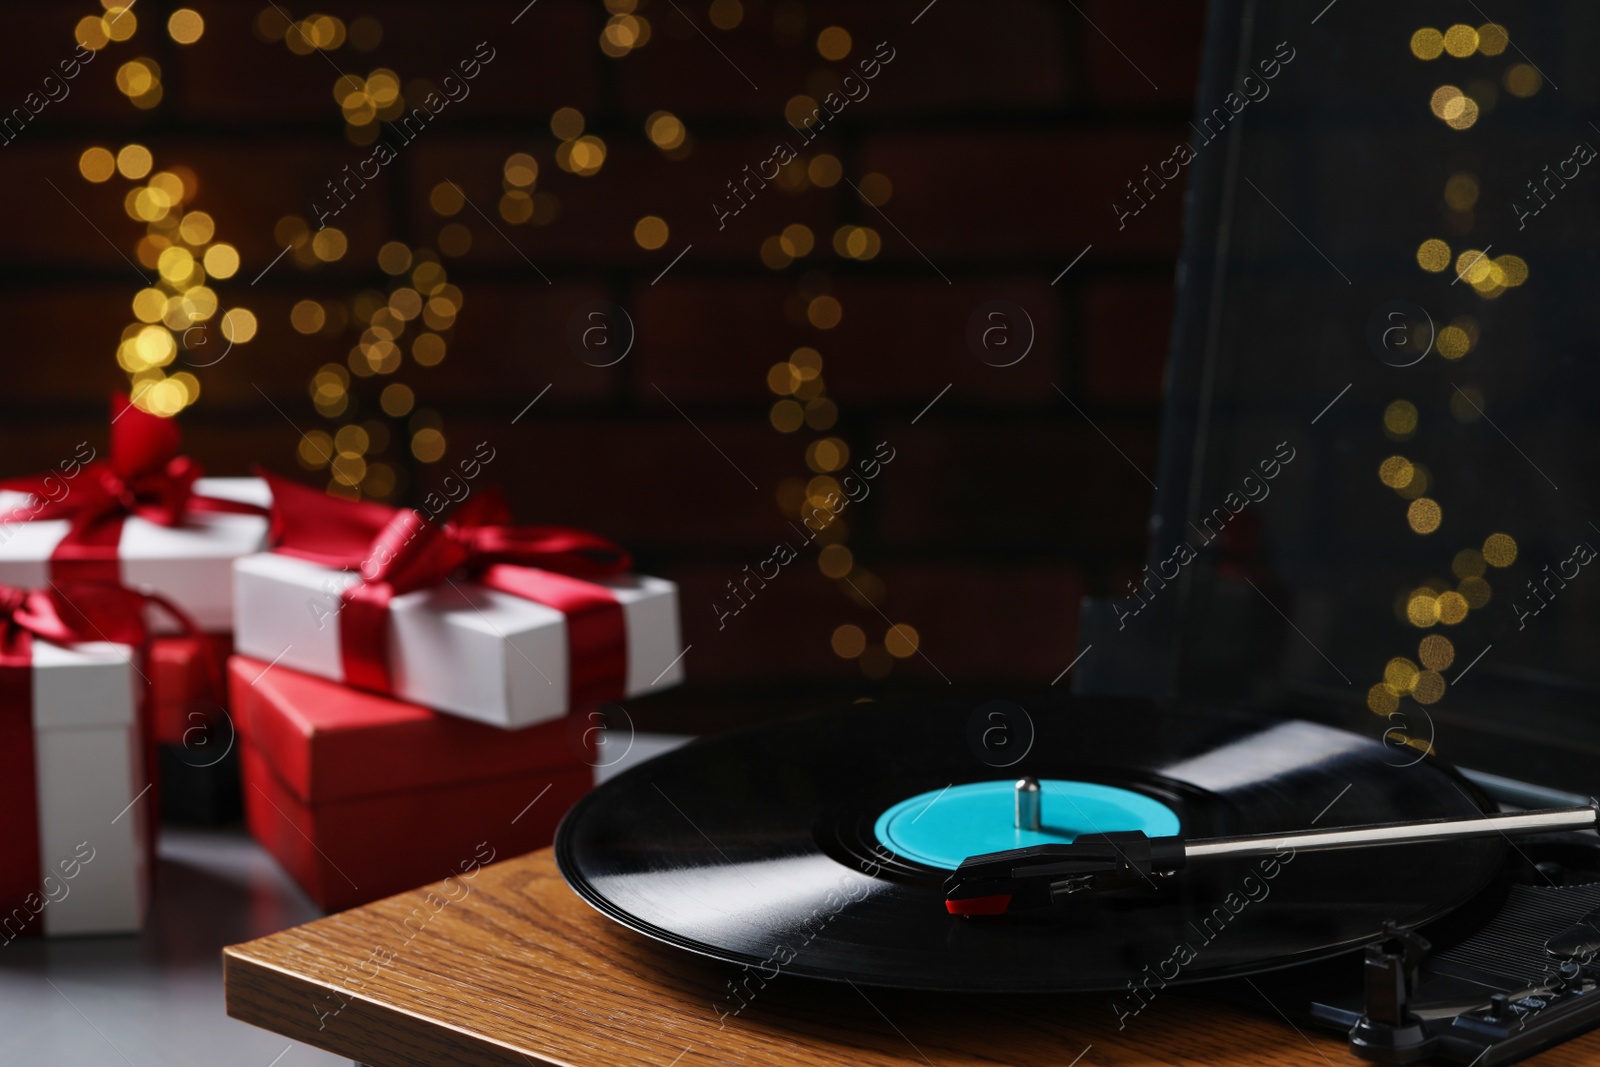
(1323, 784)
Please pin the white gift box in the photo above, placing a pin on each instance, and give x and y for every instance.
(191, 565)
(460, 647)
(89, 768)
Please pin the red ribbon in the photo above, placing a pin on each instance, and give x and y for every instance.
(144, 476)
(398, 550)
(63, 615)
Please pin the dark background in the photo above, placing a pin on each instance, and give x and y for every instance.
(1006, 129)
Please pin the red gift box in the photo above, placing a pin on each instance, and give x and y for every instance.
(183, 699)
(360, 796)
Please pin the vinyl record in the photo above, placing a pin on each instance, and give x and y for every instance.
(767, 847)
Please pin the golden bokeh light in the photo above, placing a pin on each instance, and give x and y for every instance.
(1473, 266)
(876, 188)
(1500, 550)
(827, 455)
(520, 170)
(1461, 113)
(1461, 40)
(221, 261)
(1400, 674)
(835, 561)
(824, 171)
(1514, 270)
(665, 130)
(428, 349)
(91, 33)
(796, 240)
(1396, 472)
(821, 413)
(773, 256)
(833, 43)
(397, 399)
(1468, 563)
(134, 161)
(176, 264)
(824, 312)
(583, 157)
(351, 438)
(566, 123)
(1427, 43)
(97, 164)
(446, 199)
(238, 325)
(394, 258)
(185, 25)
(1382, 700)
(1492, 39)
(307, 317)
(1452, 607)
(1441, 97)
(1433, 255)
(1400, 419)
(787, 416)
(149, 305)
(1522, 80)
(120, 21)
(1475, 591)
(650, 232)
(1429, 688)
(428, 445)
(1422, 608)
(1453, 342)
(1424, 515)
(901, 641)
(726, 14)
(1436, 652)
(848, 641)
(782, 379)
(197, 228)
(516, 207)
(329, 244)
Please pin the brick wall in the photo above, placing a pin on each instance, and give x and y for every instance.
(1006, 129)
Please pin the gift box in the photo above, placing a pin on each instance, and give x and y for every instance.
(141, 517)
(185, 692)
(360, 796)
(507, 625)
(75, 844)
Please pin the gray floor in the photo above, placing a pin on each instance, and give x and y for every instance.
(156, 999)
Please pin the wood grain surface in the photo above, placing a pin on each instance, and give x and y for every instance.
(509, 967)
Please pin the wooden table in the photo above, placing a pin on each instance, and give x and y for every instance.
(517, 970)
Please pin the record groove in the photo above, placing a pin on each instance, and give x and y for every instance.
(760, 844)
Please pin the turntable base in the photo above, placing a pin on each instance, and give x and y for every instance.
(521, 971)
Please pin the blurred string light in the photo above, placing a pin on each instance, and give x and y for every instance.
(374, 426)
(1441, 602)
(624, 29)
(178, 314)
(138, 79)
(802, 404)
(173, 314)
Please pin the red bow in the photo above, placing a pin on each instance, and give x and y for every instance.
(399, 550)
(144, 477)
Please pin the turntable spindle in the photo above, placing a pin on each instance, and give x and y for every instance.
(1028, 803)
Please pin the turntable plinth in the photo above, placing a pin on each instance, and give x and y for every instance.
(520, 970)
